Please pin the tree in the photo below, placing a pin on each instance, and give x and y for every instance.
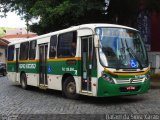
(66, 13)
(120, 10)
(57, 14)
(125, 11)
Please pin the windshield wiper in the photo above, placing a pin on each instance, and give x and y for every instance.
(123, 47)
(122, 51)
(122, 56)
(130, 51)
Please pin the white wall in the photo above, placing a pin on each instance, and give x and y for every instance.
(154, 60)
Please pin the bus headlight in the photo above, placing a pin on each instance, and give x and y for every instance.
(107, 78)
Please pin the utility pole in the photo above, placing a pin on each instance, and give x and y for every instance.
(27, 24)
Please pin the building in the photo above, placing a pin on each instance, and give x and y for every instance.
(18, 34)
(3, 50)
(154, 52)
(11, 36)
(147, 20)
(148, 23)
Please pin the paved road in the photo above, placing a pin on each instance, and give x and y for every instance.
(15, 100)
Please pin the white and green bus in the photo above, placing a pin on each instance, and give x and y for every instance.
(91, 59)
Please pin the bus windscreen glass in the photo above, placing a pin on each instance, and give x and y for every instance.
(121, 48)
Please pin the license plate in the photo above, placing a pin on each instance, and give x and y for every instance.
(131, 88)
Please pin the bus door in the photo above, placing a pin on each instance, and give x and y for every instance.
(17, 64)
(86, 66)
(43, 50)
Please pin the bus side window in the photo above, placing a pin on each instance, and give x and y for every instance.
(53, 44)
(32, 49)
(24, 51)
(11, 53)
(67, 44)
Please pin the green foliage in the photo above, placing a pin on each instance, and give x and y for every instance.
(3, 29)
(56, 14)
(66, 13)
(122, 9)
(153, 5)
(1, 33)
(125, 11)
(59, 14)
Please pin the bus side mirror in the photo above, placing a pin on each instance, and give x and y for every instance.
(96, 41)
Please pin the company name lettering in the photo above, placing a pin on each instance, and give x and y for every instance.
(27, 66)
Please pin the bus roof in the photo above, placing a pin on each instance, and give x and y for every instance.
(72, 28)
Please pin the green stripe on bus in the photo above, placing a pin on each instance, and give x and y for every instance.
(53, 67)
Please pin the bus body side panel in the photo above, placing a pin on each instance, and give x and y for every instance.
(94, 86)
(31, 69)
(59, 67)
(11, 76)
(11, 71)
(54, 82)
(32, 79)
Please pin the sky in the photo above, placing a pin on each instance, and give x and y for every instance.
(12, 20)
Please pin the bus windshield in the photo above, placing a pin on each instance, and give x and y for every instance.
(121, 48)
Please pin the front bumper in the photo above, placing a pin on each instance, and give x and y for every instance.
(106, 89)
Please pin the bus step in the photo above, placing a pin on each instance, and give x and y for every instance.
(43, 86)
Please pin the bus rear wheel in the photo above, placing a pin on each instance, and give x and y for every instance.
(69, 88)
(23, 79)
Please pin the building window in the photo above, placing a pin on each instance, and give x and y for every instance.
(53, 44)
(24, 51)
(11, 53)
(32, 49)
(67, 44)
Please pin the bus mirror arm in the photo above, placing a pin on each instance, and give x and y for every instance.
(96, 41)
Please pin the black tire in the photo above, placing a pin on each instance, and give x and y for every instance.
(23, 79)
(69, 88)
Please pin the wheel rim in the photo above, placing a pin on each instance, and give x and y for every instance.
(71, 88)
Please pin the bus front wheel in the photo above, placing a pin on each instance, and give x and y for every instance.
(23, 79)
(69, 88)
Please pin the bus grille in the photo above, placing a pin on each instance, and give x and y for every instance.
(127, 81)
